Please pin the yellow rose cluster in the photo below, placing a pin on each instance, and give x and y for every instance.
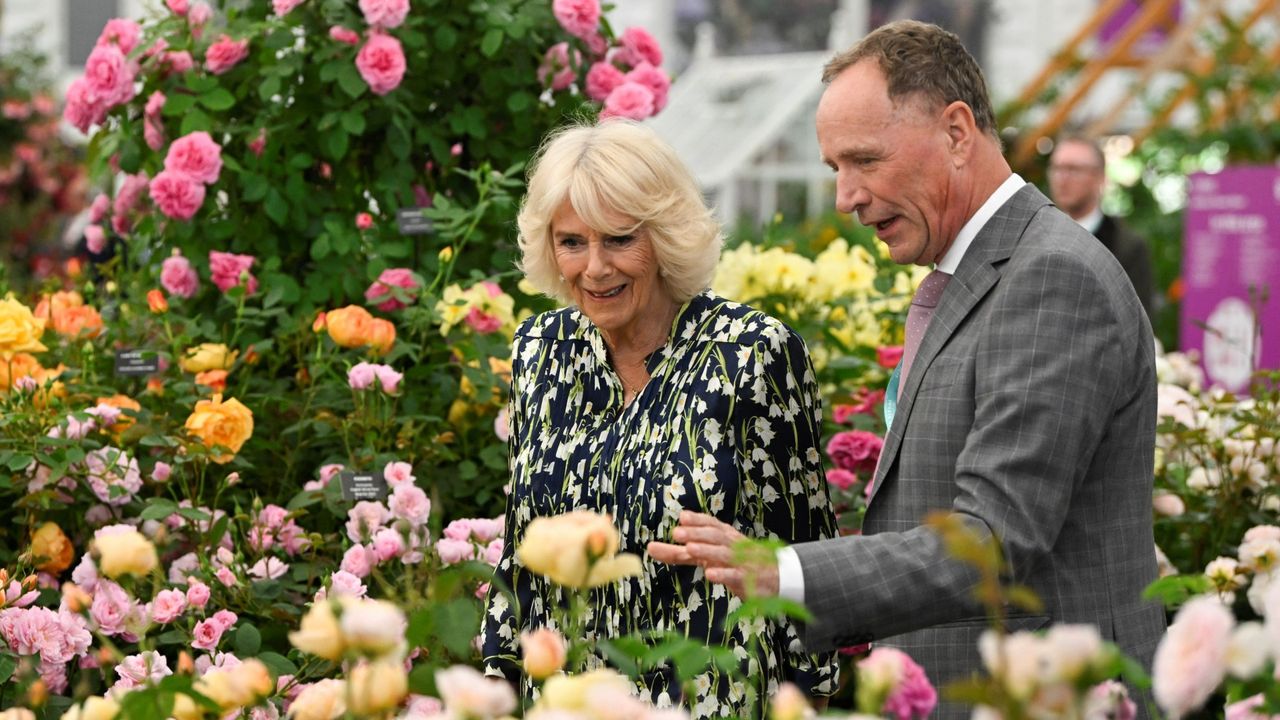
(219, 424)
(370, 630)
(483, 307)
(577, 549)
(748, 273)
(353, 327)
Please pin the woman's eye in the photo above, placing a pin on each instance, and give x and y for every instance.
(621, 239)
(570, 242)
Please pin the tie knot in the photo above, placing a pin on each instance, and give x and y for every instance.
(930, 290)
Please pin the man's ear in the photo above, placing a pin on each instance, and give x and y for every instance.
(962, 131)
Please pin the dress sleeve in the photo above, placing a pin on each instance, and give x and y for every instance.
(780, 424)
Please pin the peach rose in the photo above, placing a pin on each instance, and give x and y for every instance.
(157, 302)
(382, 335)
(376, 687)
(544, 653)
(221, 424)
(51, 305)
(349, 326)
(319, 633)
(78, 321)
(51, 549)
(17, 367)
(216, 379)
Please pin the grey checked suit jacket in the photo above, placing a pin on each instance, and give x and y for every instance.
(1030, 411)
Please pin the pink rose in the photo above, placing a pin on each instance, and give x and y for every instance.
(344, 35)
(1110, 699)
(459, 529)
(365, 519)
(556, 65)
(168, 605)
(602, 78)
(381, 63)
(629, 100)
(482, 322)
(398, 473)
(177, 7)
(111, 607)
(199, 14)
(409, 502)
(387, 544)
(358, 560)
(344, 583)
(493, 552)
(388, 378)
(1246, 709)
(283, 7)
(195, 155)
(454, 551)
(654, 79)
(889, 356)
(122, 33)
(225, 54)
(225, 576)
(109, 75)
(361, 376)
(153, 132)
(227, 268)
(197, 594)
(855, 450)
(841, 478)
(380, 291)
(206, 635)
(259, 142)
(98, 210)
(364, 221)
(160, 473)
(913, 696)
(83, 109)
(178, 277)
(486, 529)
(127, 198)
(638, 46)
(95, 239)
(179, 61)
(1191, 659)
(455, 149)
(384, 14)
(268, 568)
(580, 18)
(502, 426)
(177, 195)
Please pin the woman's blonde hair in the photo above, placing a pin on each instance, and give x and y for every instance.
(618, 168)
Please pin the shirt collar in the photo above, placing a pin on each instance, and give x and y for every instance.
(1092, 221)
(951, 260)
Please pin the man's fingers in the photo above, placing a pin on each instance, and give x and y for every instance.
(708, 535)
(689, 518)
(670, 554)
(710, 555)
(731, 578)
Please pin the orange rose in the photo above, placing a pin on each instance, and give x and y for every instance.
(221, 424)
(51, 549)
(157, 302)
(124, 402)
(382, 335)
(155, 386)
(19, 366)
(216, 379)
(318, 325)
(349, 326)
(73, 322)
(51, 305)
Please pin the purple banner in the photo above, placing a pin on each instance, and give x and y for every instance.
(1231, 267)
(1152, 40)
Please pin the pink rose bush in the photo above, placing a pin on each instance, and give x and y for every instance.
(381, 63)
(225, 54)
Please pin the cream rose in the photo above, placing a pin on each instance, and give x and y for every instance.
(321, 701)
(319, 633)
(125, 553)
(576, 549)
(93, 708)
(372, 627)
(376, 687)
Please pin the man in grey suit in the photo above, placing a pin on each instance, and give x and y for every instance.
(1027, 407)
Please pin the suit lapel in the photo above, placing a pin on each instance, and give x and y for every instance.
(977, 274)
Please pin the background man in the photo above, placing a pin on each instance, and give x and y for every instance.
(1026, 408)
(1077, 177)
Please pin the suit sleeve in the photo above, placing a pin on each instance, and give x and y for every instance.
(1048, 370)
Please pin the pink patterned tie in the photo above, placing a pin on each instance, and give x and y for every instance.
(918, 317)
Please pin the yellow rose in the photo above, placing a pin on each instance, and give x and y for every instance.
(571, 692)
(207, 356)
(125, 553)
(349, 326)
(51, 549)
(221, 424)
(789, 703)
(319, 633)
(93, 708)
(321, 701)
(376, 687)
(184, 708)
(543, 652)
(238, 686)
(20, 331)
(576, 550)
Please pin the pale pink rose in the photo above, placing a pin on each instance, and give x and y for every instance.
(556, 66)
(358, 560)
(364, 221)
(1109, 699)
(1168, 504)
(366, 518)
(469, 693)
(380, 291)
(199, 14)
(1246, 709)
(485, 529)
(638, 46)
(161, 472)
(225, 54)
(284, 7)
(179, 61)
(327, 472)
(580, 18)
(177, 7)
(387, 544)
(483, 322)
(225, 576)
(409, 502)
(602, 78)
(259, 142)
(127, 197)
(197, 594)
(629, 100)
(455, 149)
(178, 277)
(110, 608)
(423, 706)
(293, 538)
(195, 155)
(388, 378)
(502, 426)
(398, 473)
(381, 63)
(153, 132)
(344, 35)
(361, 376)
(459, 529)
(109, 75)
(17, 109)
(147, 666)
(95, 239)
(654, 79)
(122, 33)
(83, 109)
(113, 475)
(177, 195)
(227, 268)
(206, 635)
(493, 552)
(85, 574)
(1261, 533)
(98, 210)
(268, 568)
(343, 583)
(1191, 659)
(384, 14)
(454, 551)
(273, 516)
(168, 605)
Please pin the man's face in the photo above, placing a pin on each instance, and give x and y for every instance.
(1076, 178)
(893, 164)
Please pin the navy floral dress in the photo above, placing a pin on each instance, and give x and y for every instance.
(728, 424)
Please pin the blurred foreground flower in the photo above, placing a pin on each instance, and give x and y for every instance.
(577, 549)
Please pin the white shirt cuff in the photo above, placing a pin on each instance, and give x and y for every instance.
(790, 575)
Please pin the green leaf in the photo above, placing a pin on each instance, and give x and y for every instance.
(194, 121)
(353, 122)
(176, 104)
(8, 663)
(491, 42)
(1176, 589)
(19, 461)
(172, 637)
(446, 37)
(422, 680)
(350, 81)
(269, 88)
(159, 509)
(278, 664)
(320, 247)
(255, 187)
(277, 207)
(336, 144)
(248, 640)
(457, 623)
(422, 623)
(518, 101)
(218, 99)
(200, 84)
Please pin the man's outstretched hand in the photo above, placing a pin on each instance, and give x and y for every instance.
(705, 541)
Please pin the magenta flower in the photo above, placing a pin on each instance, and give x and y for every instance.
(177, 195)
(602, 78)
(177, 7)
(629, 100)
(381, 63)
(207, 633)
(127, 198)
(95, 239)
(638, 46)
(178, 61)
(364, 221)
(227, 268)
(109, 75)
(841, 478)
(380, 291)
(344, 35)
(122, 33)
(195, 155)
(483, 322)
(654, 79)
(178, 278)
(385, 14)
(580, 18)
(197, 594)
(259, 142)
(199, 14)
(556, 66)
(855, 450)
(284, 7)
(225, 54)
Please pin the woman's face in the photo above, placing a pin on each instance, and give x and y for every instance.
(612, 279)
